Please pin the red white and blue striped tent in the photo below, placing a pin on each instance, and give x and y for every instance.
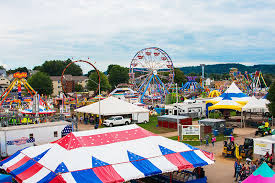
(104, 155)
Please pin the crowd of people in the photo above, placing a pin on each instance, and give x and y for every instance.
(242, 171)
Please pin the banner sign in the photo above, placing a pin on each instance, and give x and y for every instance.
(190, 130)
(22, 140)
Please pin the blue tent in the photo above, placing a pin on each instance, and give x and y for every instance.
(5, 178)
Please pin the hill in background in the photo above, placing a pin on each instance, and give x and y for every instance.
(224, 68)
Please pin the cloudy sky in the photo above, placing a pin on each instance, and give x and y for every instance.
(190, 31)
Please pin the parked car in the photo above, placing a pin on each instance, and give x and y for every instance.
(117, 120)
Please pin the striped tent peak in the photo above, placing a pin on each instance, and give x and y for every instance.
(12, 156)
(226, 97)
(263, 174)
(134, 157)
(38, 157)
(191, 147)
(61, 168)
(264, 170)
(165, 150)
(97, 163)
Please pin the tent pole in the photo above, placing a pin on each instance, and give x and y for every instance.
(242, 119)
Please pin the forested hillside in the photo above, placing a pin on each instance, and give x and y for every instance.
(224, 68)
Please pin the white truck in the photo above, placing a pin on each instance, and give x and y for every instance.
(14, 138)
(116, 120)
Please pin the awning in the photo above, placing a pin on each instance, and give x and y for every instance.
(104, 155)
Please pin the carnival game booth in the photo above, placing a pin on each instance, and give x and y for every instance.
(116, 154)
(170, 121)
(112, 106)
(263, 174)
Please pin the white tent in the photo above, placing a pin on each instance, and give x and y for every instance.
(252, 104)
(256, 105)
(114, 106)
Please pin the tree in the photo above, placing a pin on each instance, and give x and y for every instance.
(56, 67)
(109, 68)
(271, 98)
(268, 79)
(37, 68)
(92, 84)
(2, 67)
(179, 77)
(41, 83)
(117, 75)
(73, 69)
(19, 69)
(78, 88)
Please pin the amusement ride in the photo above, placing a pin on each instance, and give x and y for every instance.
(151, 74)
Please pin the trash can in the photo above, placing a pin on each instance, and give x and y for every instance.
(215, 132)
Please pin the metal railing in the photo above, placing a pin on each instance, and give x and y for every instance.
(14, 120)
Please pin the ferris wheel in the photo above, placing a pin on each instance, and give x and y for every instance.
(151, 73)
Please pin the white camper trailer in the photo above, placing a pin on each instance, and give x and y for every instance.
(142, 117)
(191, 108)
(14, 138)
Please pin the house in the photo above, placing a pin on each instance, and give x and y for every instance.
(4, 83)
(3, 73)
(69, 83)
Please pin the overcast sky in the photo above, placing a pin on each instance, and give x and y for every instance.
(191, 32)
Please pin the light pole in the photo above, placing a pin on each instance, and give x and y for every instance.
(99, 116)
(177, 110)
(202, 74)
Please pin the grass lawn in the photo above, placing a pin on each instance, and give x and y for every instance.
(195, 142)
(152, 126)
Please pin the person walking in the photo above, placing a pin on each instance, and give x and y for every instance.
(213, 140)
(235, 167)
(201, 141)
(252, 167)
(206, 140)
(238, 170)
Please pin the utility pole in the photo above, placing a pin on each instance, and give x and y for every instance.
(202, 74)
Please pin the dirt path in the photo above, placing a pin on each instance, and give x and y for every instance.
(223, 170)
